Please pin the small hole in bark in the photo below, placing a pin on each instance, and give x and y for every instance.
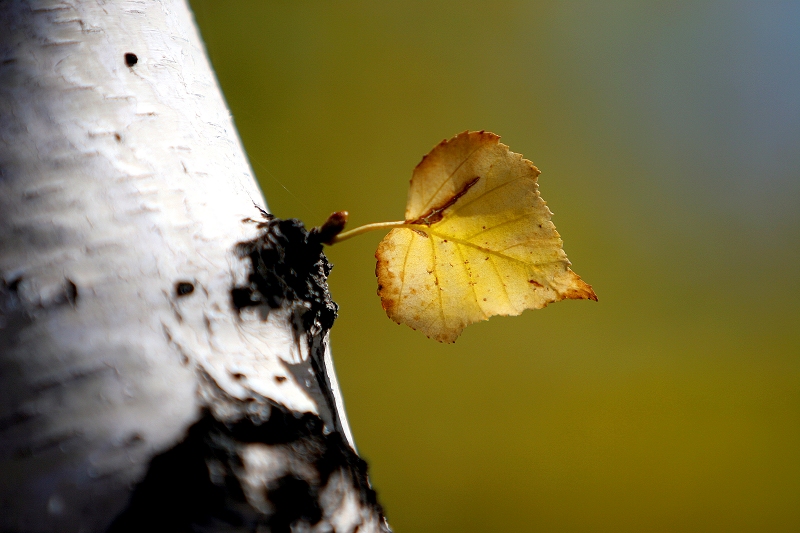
(118, 137)
(131, 59)
(280, 379)
(13, 285)
(134, 438)
(182, 288)
(71, 291)
(237, 376)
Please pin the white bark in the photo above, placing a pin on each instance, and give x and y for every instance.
(121, 187)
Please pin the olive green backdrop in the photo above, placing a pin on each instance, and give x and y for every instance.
(668, 135)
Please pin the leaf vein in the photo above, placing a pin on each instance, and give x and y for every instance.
(488, 250)
(532, 240)
(450, 177)
(403, 271)
(456, 207)
(481, 232)
(438, 287)
(467, 271)
(500, 278)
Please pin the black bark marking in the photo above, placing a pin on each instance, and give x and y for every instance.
(76, 374)
(131, 59)
(13, 285)
(194, 486)
(18, 417)
(44, 445)
(288, 270)
(177, 490)
(240, 297)
(198, 484)
(294, 500)
(286, 265)
(182, 288)
(71, 292)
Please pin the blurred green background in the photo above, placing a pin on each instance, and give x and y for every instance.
(668, 134)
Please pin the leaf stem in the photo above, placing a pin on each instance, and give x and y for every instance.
(369, 227)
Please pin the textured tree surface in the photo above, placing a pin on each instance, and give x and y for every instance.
(259, 465)
(478, 241)
(164, 358)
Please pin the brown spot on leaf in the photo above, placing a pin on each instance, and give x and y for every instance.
(580, 290)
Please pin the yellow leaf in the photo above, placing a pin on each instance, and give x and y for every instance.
(477, 242)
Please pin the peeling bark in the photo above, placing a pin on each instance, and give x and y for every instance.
(164, 355)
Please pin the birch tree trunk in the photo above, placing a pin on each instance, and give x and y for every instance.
(164, 358)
